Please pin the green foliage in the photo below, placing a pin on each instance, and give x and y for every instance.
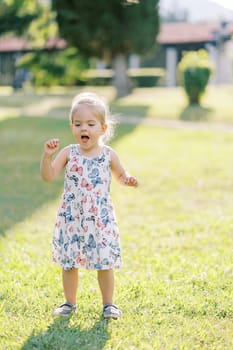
(110, 30)
(43, 28)
(16, 15)
(141, 77)
(146, 77)
(54, 67)
(106, 28)
(195, 68)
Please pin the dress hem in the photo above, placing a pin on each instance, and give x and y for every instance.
(78, 266)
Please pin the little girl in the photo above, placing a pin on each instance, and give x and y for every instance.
(86, 233)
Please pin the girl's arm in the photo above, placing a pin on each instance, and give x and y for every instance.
(120, 173)
(49, 168)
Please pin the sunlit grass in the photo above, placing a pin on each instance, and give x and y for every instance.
(153, 103)
(171, 103)
(175, 286)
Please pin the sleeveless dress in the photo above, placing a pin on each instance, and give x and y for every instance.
(86, 232)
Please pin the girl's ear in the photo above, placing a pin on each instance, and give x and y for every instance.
(104, 128)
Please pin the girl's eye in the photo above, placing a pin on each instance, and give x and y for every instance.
(77, 125)
(91, 124)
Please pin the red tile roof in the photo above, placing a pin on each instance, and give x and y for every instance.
(180, 33)
(20, 44)
(13, 44)
(170, 33)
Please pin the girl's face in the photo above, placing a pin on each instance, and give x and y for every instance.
(87, 128)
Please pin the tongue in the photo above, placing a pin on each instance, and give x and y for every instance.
(85, 138)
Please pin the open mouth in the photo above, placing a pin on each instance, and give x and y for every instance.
(85, 138)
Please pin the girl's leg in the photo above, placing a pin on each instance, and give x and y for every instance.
(70, 284)
(106, 284)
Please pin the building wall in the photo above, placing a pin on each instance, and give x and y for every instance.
(7, 68)
(222, 58)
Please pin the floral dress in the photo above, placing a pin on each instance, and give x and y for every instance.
(86, 232)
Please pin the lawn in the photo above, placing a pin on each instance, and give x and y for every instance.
(151, 103)
(175, 287)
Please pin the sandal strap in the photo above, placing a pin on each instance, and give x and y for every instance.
(68, 304)
(110, 305)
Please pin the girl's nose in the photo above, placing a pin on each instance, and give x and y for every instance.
(84, 127)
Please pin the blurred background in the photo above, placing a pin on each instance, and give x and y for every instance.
(49, 43)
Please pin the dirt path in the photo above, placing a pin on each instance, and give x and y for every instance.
(177, 124)
(49, 108)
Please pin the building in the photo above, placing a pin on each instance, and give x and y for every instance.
(11, 49)
(175, 38)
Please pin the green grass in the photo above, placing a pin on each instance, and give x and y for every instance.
(162, 103)
(175, 286)
(154, 103)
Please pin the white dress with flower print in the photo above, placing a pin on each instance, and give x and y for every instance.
(86, 232)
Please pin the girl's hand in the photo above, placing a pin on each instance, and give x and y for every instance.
(51, 146)
(131, 181)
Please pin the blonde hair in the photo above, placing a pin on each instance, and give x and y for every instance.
(102, 111)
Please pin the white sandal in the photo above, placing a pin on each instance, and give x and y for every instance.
(65, 309)
(111, 311)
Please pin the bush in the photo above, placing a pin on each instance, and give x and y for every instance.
(141, 77)
(146, 77)
(95, 77)
(195, 70)
(50, 68)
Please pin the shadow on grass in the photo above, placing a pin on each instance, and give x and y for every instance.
(61, 336)
(21, 145)
(118, 107)
(22, 190)
(196, 113)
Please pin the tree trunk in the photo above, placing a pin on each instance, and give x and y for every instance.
(122, 82)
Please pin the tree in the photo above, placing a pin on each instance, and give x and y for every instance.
(17, 15)
(109, 29)
(35, 21)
